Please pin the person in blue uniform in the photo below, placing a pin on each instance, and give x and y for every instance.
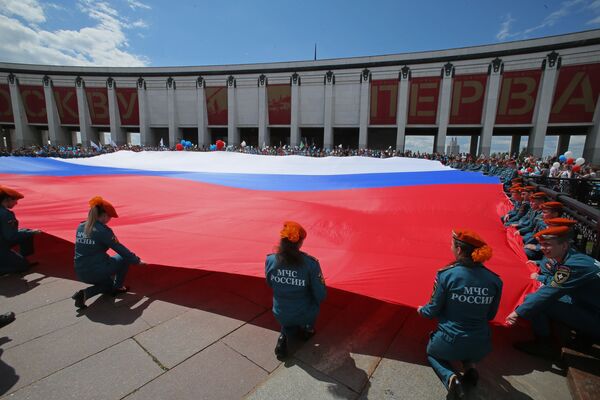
(524, 207)
(570, 296)
(298, 286)
(465, 297)
(516, 199)
(535, 214)
(551, 211)
(11, 236)
(92, 264)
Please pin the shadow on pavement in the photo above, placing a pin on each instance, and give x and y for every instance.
(353, 331)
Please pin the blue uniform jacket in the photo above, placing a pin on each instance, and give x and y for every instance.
(464, 299)
(90, 252)
(10, 234)
(297, 290)
(578, 277)
(523, 210)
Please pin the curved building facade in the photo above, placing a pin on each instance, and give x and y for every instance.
(533, 88)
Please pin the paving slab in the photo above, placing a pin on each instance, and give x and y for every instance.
(96, 378)
(352, 344)
(43, 356)
(39, 322)
(296, 380)
(42, 295)
(255, 342)
(404, 374)
(217, 373)
(203, 294)
(12, 285)
(179, 338)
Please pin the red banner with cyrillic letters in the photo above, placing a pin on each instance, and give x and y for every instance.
(468, 95)
(280, 104)
(216, 105)
(384, 102)
(34, 102)
(6, 114)
(129, 111)
(423, 103)
(97, 98)
(576, 94)
(518, 94)
(66, 105)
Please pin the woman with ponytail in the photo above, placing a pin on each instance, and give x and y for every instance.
(298, 286)
(465, 298)
(92, 264)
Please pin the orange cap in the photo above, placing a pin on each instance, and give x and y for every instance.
(560, 222)
(292, 231)
(552, 205)
(108, 208)
(538, 196)
(552, 232)
(13, 194)
(482, 251)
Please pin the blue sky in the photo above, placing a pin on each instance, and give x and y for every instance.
(173, 33)
(178, 33)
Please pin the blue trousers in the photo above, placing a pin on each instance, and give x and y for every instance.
(105, 277)
(442, 349)
(576, 317)
(12, 261)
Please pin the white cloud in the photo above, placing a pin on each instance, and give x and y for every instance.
(566, 8)
(140, 23)
(504, 31)
(103, 44)
(594, 21)
(29, 10)
(133, 4)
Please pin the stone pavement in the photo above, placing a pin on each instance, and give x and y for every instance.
(194, 334)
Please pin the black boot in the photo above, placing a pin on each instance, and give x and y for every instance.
(281, 347)
(79, 298)
(455, 388)
(471, 377)
(7, 318)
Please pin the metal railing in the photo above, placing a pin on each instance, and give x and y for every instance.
(587, 230)
(586, 191)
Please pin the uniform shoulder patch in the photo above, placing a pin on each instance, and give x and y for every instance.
(561, 275)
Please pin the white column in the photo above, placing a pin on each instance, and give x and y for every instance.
(263, 111)
(172, 112)
(591, 149)
(233, 136)
(24, 135)
(402, 111)
(203, 137)
(363, 121)
(443, 114)
(57, 134)
(329, 100)
(490, 106)
(295, 111)
(85, 125)
(146, 138)
(117, 134)
(535, 145)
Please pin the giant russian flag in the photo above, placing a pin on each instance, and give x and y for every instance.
(380, 227)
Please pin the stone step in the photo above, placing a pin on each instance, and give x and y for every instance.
(583, 372)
